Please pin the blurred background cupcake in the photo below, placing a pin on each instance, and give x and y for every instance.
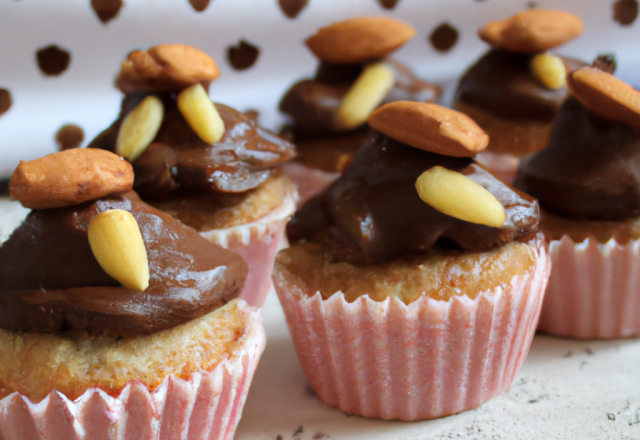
(327, 114)
(587, 184)
(514, 91)
(208, 165)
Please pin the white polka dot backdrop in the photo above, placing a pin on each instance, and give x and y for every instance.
(58, 60)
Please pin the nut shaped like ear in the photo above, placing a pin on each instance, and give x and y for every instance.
(456, 195)
(116, 242)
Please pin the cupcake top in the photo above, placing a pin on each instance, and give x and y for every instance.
(591, 168)
(519, 79)
(176, 138)
(93, 257)
(376, 211)
(354, 76)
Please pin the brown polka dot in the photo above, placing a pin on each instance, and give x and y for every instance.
(291, 8)
(4, 187)
(532, 5)
(52, 60)
(606, 63)
(200, 5)
(388, 4)
(242, 56)
(106, 9)
(625, 11)
(69, 136)
(5, 101)
(444, 37)
(252, 114)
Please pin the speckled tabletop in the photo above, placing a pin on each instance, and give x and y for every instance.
(566, 389)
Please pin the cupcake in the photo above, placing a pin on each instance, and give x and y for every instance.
(413, 285)
(587, 184)
(116, 320)
(328, 113)
(514, 91)
(208, 165)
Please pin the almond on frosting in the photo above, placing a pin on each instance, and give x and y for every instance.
(532, 31)
(606, 95)
(116, 242)
(430, 127)
(69, 177)
(166, 67)
(359, 39)
(455, 195)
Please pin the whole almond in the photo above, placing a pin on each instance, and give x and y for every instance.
(455, 195)
(165, 68)
(70, 177)
(532, 31)
(606, 95)
(116, 242)
(430, 127)
(139, 128)
(359, 39)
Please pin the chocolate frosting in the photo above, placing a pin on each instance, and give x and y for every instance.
(312, 103)
(50, 281)
(178, 159)
(591, 169)
(373, 213)
(501, 83)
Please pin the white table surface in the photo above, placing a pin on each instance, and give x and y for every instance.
(566, 389)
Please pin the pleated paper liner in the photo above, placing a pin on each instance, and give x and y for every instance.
(594, 290)
(424, 360)
(257, 243)
(206, 406)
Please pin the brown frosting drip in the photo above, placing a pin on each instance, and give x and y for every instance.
(313, 103)
(50, 281)
(501, 83)
(590, 170)
(373, 212)
(244, 158)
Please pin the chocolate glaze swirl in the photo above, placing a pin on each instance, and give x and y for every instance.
(178, 159)
(312, 103)
(50, 281)
(373, 213)
(591, 169)
(501, 83)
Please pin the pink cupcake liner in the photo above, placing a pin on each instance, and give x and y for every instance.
(424, 360)
(257, 243)
(310, 181)
(206, 406)
(594, 290)
(503, 166)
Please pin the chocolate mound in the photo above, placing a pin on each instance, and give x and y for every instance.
(373, 213)
(50, 281)
(590, 170)
(501, 83)
(313, 103)
(177, 159)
